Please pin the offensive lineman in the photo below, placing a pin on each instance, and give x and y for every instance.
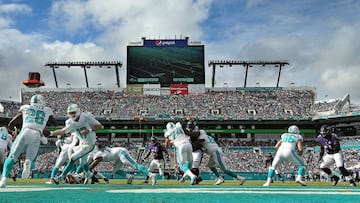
(286, 150)
(330, 144)
(176, 136)
(34, 119)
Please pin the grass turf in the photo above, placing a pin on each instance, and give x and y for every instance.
(175, 182)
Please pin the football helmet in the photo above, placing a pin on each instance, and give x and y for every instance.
(170, 125)
(73, 111)
(325, 130)
(191, 125)
(153, 139)
(293, 129)
(37, 99)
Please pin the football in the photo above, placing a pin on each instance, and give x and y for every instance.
(46, 132)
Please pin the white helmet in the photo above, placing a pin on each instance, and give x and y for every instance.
(293, 129)
(37, 99)
(170, 125)
(73, 111)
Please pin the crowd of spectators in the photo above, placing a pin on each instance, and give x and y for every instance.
(267, 103)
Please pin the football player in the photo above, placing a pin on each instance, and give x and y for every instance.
(176, 136)
(5, 144)
(84, 125)
(120, 156)
(192, 130)
(330, 144)
(34, 119)
(216, 156)
(63, 146)
(286, 150)
(157, 150)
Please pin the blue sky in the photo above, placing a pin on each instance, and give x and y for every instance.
(319, 38)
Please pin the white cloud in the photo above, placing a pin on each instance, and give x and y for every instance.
(15, 8)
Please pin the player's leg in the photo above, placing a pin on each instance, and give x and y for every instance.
(339, 162)
(197, 158)
(293, 157)
(186, 159)
(327, 161)
(271, 172)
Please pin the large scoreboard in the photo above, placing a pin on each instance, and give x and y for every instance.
(165, 62)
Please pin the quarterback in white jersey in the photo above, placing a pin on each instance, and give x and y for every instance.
(120, 156)
(176, 136)
(5, 144)
(84, 126)
(34, 119)
(286, 150)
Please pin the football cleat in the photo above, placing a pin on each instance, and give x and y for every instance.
(336, 180)
(298, 180)
(240, 179)
(49, 182)
(3, 182)
(266, 184)
(130, 179)
(193, 180)
(352, 183)
(219, 181)
(182, 180)
(88, 176)
(57, 179)
(106, 180)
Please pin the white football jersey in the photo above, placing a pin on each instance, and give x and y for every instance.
(209, 145)
(35, 116)
(86, 121)
(177, 135)
(290, 140)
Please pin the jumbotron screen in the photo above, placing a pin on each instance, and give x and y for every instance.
(165, 65)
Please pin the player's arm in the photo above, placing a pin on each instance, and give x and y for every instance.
(278, 144)
(167, 143)
(300, 147)
(93, 128)
(336, 145)
(95, 163)
(17, 119)
(147, 154)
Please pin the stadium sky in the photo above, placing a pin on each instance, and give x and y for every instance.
(319, 38)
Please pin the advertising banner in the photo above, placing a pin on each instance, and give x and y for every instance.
(176, 89)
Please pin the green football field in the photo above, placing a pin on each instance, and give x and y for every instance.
(172, 191)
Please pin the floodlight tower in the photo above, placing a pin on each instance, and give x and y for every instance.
(247, 65)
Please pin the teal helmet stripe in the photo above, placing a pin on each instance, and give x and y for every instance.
(35, 99)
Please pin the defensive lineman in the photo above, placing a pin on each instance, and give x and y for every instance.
(330, 144)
